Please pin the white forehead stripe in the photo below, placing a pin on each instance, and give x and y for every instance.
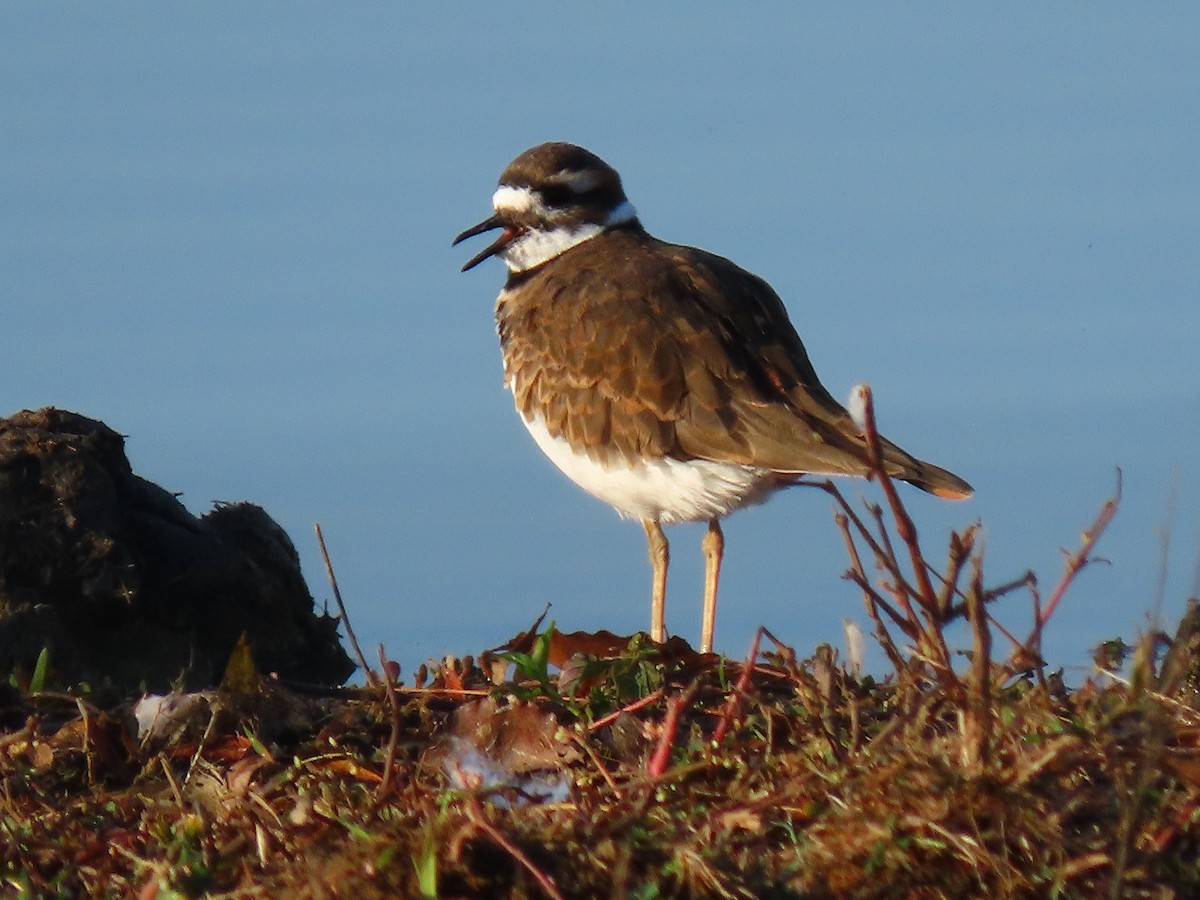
(517, 200)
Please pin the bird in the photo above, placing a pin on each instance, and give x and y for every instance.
(664, 380)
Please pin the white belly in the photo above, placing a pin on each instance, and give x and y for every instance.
(664, 490)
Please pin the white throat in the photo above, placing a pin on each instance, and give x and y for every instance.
(537, 246)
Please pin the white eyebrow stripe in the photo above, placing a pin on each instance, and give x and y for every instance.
(578, 182)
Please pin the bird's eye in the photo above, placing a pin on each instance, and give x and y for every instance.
(556, 195)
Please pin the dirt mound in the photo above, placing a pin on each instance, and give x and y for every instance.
(121, 582)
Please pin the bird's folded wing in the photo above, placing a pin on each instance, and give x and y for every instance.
(684, 355)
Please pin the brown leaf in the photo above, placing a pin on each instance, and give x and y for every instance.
(348, 768)
(241, 774)
(105, 739)
(229, 749)
(743, 820)
(600, 644)
(523, 642)
(449, 679)
(1185, 764)
(40, 755)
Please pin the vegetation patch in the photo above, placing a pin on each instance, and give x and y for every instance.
(592, 765)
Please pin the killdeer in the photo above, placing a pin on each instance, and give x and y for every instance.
(662, 379)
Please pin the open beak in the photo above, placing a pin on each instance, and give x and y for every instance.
(489, 224)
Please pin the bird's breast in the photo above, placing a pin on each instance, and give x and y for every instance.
(661, 488)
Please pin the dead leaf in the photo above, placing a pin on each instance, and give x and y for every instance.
(600, 645)
(233, 748)
(523, 642)
(40, 755)
(241, 775)
(1184, 763)
(348, 768)
(106, 740)
(742, 820)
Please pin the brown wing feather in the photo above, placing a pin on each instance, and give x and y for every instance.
(681, 354)
(607, 381)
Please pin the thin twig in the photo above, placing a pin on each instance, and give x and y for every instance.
(87, 741)
(872, 600)
(657, 763)
(961, 547)
(876, 599)
(739, 691)
(1028, 580)
(880, 554)
(389, 762)
(1074, 564)
(545, 882)
(166, 767)
(979, 685)
(631, 708)
(885, 541)
(904, 523)
(201, 744)
(337, 596)
(934, 644)
(1081, 557)
(580, 740)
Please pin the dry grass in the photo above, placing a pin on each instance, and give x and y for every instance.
(683, 775)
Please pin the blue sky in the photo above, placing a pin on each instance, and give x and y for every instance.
(226, 232)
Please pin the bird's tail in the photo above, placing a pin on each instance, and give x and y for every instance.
(928, 477)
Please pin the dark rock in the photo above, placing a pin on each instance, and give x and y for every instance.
(122, 583)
